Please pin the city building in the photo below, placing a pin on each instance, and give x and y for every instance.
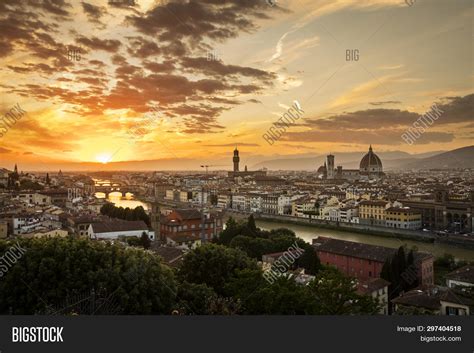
(270, 203)
(364, 261)
(240, 202)
(433, 300)
(187, 225)
(236, 172)
(443, 212)
(462, 277)
(403, 218)
(377, 288)
(114, 229)
(370, 168)
(373, 212)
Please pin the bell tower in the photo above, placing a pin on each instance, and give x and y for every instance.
(330, 166)
(236, 160)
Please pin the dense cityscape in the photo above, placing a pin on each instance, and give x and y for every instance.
(195, 224)
(236, 175)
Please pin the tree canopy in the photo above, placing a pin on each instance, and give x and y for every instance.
(128, 214)
(54, 269)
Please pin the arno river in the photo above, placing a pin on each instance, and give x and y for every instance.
(308, 233)
(119, 201)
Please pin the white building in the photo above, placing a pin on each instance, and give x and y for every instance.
(119, 228)
(239, 202)
(224, 200)
(255, 203)
(35, 199)
(185, 196)
(284, 205)
(270, 203)
(26, 223)
(303, 207)
(349, 214)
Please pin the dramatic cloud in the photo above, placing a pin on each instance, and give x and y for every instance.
(94, 13)
(384, 126)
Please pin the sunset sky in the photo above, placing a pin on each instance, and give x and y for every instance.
(158, 54)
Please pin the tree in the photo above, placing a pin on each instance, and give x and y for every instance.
(401, 271)
(282, 297)
(253, 247)
(194, 298)
(309, 260)
(402, 260)
(53, 269)
(335, 294)
(136, 214)
(251, 224)
(145, 241)
(214, 265)
(232, 229)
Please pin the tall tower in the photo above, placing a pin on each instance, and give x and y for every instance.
(330, 166)
(236, 160)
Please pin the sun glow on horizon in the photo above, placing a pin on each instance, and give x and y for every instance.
(103, 158)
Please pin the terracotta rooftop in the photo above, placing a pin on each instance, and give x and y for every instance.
(118, 226)
(358, 250)
(463, 274)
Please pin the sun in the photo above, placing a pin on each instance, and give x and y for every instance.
(103, 158)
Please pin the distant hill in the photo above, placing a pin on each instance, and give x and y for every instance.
(458, 158)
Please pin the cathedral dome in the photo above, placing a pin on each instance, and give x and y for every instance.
(370, 162)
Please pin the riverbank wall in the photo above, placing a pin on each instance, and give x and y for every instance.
(360, 228)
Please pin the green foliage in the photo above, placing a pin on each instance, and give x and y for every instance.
(335, 294)
(413, 310)
(146, 242)
(214, 265)
(256, 242)
(194, 298)
(251, 224)
(213, 280)
(132, 241)
(136, 214)
(447, 261)
(283, 297)
(26, 184)
(400, 270)
(446, 264)
(309, 260)
(54, 269)
(253, 247)
(232, 229)
(331, 293)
